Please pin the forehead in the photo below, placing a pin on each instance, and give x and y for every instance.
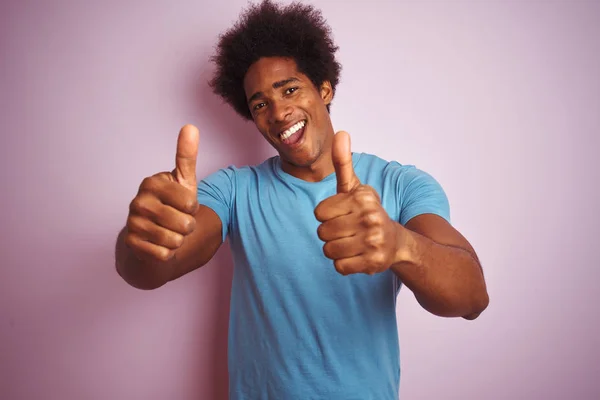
(263, 73)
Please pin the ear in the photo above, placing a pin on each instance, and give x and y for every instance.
(326, 92)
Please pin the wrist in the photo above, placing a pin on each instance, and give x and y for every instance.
(406, 246)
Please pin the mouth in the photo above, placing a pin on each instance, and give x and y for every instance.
(292, 135)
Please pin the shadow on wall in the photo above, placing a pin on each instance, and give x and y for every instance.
(235, 139)
(77, 331)
(238, 139)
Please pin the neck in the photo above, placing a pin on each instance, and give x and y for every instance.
(316, 171)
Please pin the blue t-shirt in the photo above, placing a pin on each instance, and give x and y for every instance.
(297, 328)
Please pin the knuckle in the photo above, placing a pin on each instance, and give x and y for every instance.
(363, 189)
(190, 204)
(140, 205)
(364, 196)
(378, 237)
(362, 201)
(130, 240)
(327, 250)
(131, 223)
(339, 267)
(374, 194)
(148, 183)
(165, 237)
(189, 225)
(372, 218)
(371, 197)
(321, 232)
(136, 204)
(376, 258)
(134, 224)
(177, 240)
(324, 208)
(359, 197)
(373, 240)
(319, 213)
(164, 254)
(371, 191)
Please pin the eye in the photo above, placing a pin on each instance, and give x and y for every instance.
(258, 106)
(291, 90)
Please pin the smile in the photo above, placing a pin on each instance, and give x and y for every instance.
(292, 129)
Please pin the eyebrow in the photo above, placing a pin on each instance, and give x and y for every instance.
(276, 85)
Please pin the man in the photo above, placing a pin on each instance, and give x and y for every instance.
(322, 238)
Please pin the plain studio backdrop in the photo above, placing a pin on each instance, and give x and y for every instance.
(496, 99)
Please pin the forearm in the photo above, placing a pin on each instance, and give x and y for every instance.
(446, 280)
(138, 273)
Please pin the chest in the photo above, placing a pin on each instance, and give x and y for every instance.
(274, 226)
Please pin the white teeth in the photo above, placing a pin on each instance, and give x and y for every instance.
(293, 129)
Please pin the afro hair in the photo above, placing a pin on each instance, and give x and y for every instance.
(296, 31)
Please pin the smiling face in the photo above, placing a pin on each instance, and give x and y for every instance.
(291, 113)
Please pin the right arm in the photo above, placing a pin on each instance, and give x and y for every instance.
(197, 249)
(168, 234)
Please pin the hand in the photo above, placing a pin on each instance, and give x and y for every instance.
(162, 213)
(359, 235)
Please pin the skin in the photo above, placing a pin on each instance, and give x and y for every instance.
(429, 256)
(279, 96)
(168, 234)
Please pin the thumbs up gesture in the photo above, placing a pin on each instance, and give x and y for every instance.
(162, 213)
(359, 235)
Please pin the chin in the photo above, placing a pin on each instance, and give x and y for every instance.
(296, 161)
(301, 161)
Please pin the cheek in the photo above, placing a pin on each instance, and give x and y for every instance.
(316, 104)
(312, 106)
(260, 124)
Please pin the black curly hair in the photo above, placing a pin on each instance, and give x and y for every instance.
(297, 31)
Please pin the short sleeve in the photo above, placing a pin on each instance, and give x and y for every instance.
(217, 192)
(420, 194)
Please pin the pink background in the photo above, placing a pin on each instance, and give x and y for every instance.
(499, 100)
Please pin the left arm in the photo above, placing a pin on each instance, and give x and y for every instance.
(426, 253)
(440, 267)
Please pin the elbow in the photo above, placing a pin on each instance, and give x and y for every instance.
(143, 284)
(138, 281)
(457, 304)
(478, 307)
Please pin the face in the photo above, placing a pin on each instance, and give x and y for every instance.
(290, 112)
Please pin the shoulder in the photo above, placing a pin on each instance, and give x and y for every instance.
(234, 174)
(414, 190)
(391, 171)
(368, 162)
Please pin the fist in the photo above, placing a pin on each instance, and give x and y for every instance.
(359, 235)
(163, 212)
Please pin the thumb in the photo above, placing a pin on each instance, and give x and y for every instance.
(342, 162)
(187, 153)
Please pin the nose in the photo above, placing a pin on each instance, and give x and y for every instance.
(280, 111)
